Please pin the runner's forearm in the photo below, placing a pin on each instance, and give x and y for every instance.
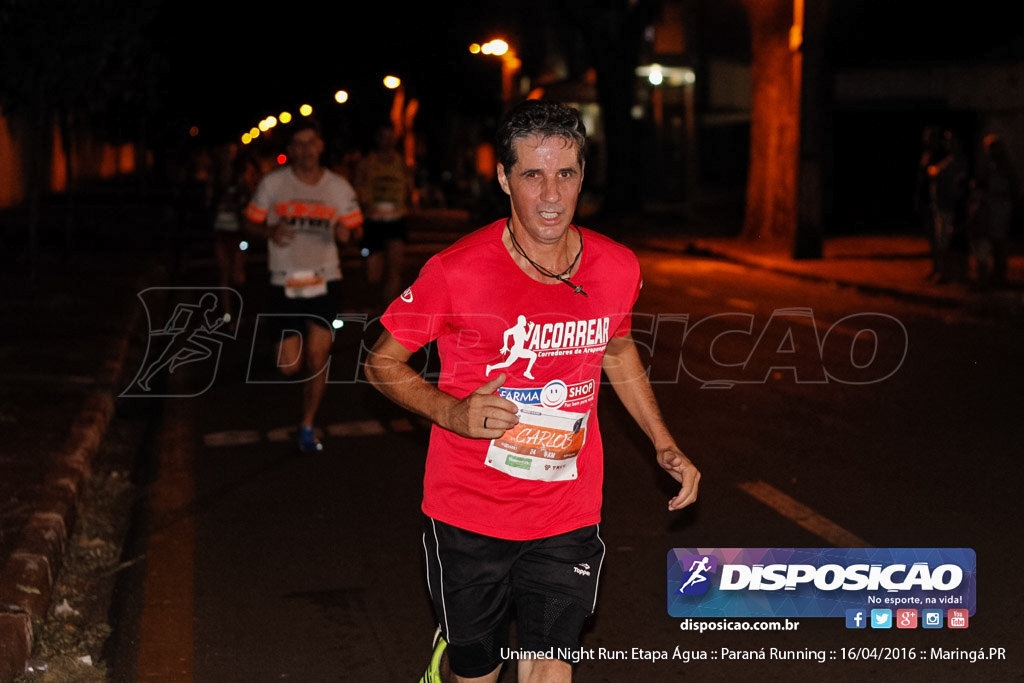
(403, 385)
(629, 379)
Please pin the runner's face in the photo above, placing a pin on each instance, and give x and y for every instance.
(386, 139)
(544, 186)
(305, 149)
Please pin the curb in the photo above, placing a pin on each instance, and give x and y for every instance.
(890, 291)
(27, 581)
(1012, 304)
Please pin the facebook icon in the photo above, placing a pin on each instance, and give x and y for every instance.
(856, 618)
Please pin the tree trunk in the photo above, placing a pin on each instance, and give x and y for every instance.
(615, 85)
(614, 34)
(34, 155)
(815, 104)
(771, 205)
(67, 140)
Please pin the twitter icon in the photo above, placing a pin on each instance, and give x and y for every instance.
(881, 618)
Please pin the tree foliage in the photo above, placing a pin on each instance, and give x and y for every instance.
(90, 57)
(613, 33)
(77, 66)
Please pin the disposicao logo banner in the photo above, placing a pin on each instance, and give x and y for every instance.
(817, 582)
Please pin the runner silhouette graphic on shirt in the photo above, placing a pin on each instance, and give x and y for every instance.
(519, 333)
(188, 324)
(697, 575)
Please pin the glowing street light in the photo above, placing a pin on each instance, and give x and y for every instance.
(509, 64)
(397, 104)
(496, 47)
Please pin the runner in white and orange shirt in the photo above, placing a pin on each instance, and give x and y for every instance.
(304, 210)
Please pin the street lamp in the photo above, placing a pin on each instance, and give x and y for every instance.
(402, 116)
(397, 104)
(510, 65)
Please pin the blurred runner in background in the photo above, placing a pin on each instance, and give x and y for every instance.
(304, 210)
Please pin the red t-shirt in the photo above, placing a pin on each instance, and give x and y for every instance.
(544, 477)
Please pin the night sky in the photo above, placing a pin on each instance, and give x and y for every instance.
(234, 70)
(228, 71)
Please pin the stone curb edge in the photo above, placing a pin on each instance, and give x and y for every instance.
(951, 302)
(27, 581)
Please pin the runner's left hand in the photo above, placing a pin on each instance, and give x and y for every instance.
(683, 471)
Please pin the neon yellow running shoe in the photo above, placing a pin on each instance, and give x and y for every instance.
(433, 672)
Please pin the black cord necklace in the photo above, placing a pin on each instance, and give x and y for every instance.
(561, 277)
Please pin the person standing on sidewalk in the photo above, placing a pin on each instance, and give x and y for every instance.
(947, 175)
(304, 210)
(512, 517)
(924, 207)
(384, 183)
(996, 190)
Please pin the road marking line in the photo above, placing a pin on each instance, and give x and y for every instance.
(46, 378)
(245, 437)
(234, 437)
(402, 424)
(357, 428)
(803, 515)
(742, 303)
(826, 328)
(282, 434)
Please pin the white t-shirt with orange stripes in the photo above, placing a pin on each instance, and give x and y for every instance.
(313, 211)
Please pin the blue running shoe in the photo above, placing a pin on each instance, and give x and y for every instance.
(433, 672)
(308, 443)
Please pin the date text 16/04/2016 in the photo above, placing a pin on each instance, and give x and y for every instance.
(728, 654)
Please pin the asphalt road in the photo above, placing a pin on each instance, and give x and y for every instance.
(266, 565)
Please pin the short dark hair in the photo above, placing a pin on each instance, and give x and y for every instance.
(546, 118)
(305, 123)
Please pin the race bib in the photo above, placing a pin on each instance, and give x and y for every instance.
(226, 220)
(386, 211)
(542, 447)
(304, 284)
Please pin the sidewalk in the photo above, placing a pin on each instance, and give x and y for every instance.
(65, 332)
(890, 265)
(64, 354)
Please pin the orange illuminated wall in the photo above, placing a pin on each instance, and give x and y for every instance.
(12, 185)
(89, 160)
(58, 169)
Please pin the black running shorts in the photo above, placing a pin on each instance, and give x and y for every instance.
(286, 317)
(475, 581)
(377, 234)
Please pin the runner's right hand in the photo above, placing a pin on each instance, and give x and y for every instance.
(468, 416)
